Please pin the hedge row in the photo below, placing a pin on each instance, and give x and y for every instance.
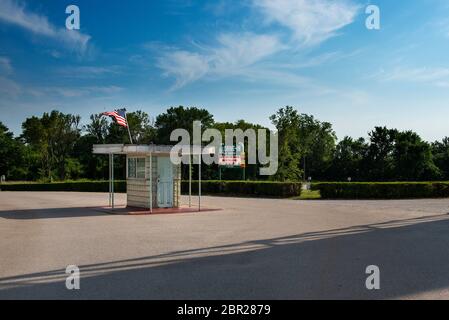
(232, 188)
(328, 190)
(245, 188)
(387, 190)
(80, 186)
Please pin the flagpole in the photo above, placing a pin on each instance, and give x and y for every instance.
(129, 132)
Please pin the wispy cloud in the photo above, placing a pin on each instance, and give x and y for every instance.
(9, 87)
(16, 13)
(311, 21)
(440, 25)
(5, 65)
(184, 66)
(88, 71)
(305, 61)
(434, 76)
(231, 56)
(72, 92)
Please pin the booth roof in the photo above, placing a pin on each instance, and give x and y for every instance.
(145, 149)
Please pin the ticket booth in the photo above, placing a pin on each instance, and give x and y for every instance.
(152, 180)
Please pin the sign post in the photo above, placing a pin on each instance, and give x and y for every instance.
(232, 157)
(190, 180)
(112, 183)
(111, 180)
(199, 181)
(151, 182)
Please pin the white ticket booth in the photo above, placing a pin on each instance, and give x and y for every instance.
(152, 180)
(155, 169)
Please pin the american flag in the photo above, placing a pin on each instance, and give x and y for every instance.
(119, 116)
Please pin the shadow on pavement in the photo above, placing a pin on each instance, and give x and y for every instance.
(413, 257)
(52, 213)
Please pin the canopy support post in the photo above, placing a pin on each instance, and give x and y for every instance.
(190, 180)
(110, 188)
(199, 180)
(112, 179)
(151, 183)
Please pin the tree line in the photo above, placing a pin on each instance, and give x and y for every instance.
(56, 146)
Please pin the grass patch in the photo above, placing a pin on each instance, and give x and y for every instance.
(308, 195)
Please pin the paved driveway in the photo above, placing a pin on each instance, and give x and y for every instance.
(252, 249)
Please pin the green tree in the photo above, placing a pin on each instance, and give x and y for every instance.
(181, 118)
(287, 121)
(98, 128)
(12, 155)
(413, 158)
(317, 143)
(140, 125)
(306, 145)
(90, 165)
(379, 161)
(348, 160)
(53, 137)
(440, 151)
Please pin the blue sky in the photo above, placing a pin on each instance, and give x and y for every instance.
(238, 59)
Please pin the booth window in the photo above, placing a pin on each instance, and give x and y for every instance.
(136, 168)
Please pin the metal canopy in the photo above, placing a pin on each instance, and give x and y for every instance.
(146, 149)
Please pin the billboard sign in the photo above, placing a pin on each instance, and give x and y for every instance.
(231, 156)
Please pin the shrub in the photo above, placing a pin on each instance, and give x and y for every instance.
(245, 188)
(382, 190)
(231, 188)
(78, 186)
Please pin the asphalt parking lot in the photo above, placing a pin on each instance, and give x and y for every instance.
(252, 249)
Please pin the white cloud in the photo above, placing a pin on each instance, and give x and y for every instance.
(9, 87)
(5, 65)
(442, 84)
(239, 51)
(311, 21)
(434, 76)
(419, 74)
(184, 66)
(72, 92)
(88, 71)
(305, 61)
(104, 89)
(15, 13)
(231, 56)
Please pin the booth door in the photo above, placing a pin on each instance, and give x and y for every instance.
(164, 182)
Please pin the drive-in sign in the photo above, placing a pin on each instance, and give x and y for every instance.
(231, 156)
